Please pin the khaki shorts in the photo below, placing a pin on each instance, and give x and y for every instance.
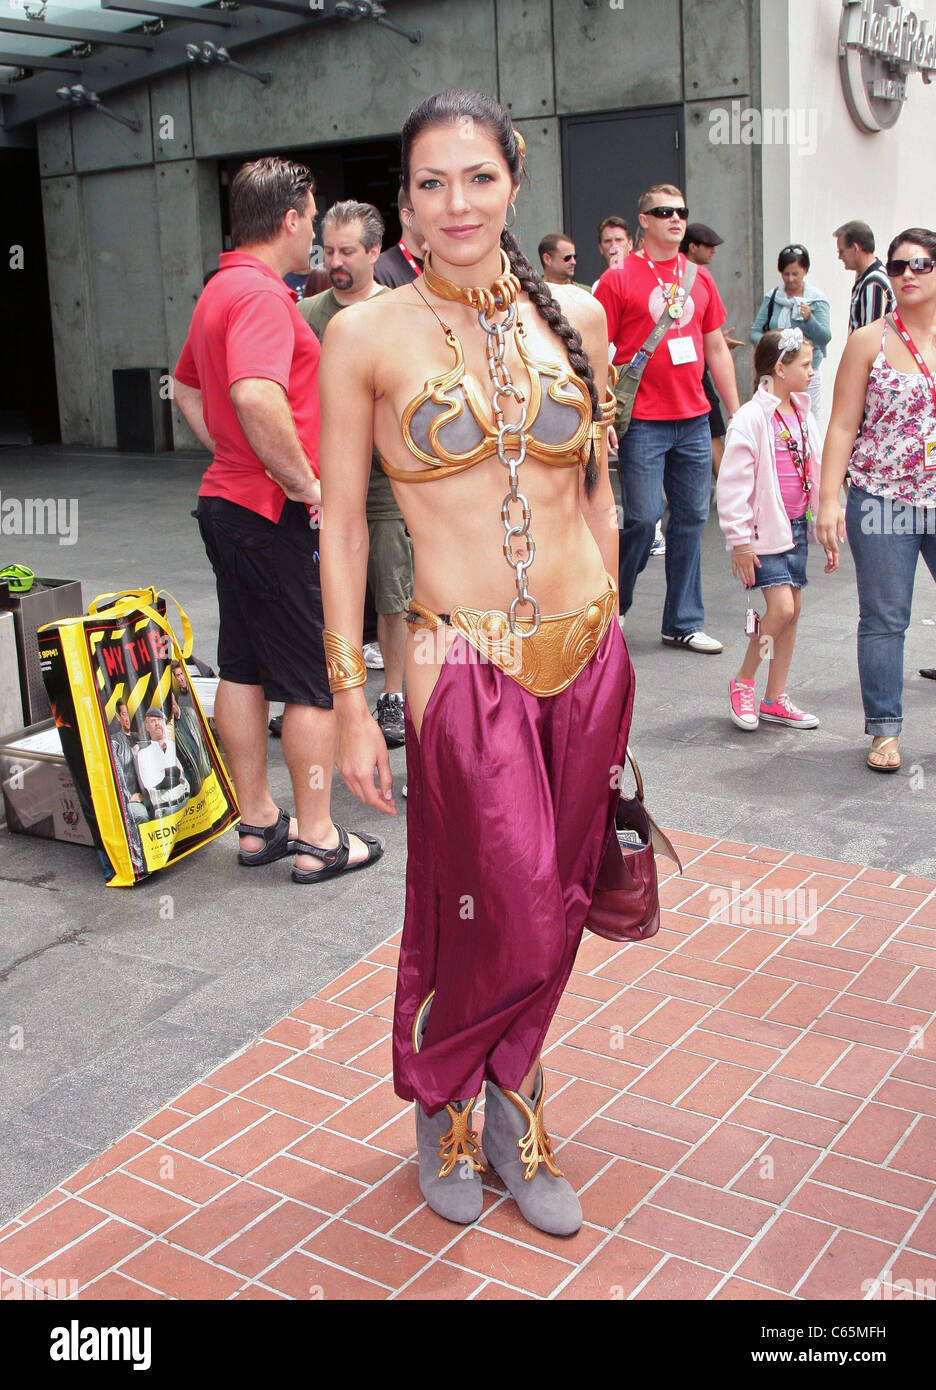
(390, 565)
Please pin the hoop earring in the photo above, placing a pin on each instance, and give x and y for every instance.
(511, 209)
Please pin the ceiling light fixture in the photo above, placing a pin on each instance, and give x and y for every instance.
(208, 54)
(354, 10)
(79, 96)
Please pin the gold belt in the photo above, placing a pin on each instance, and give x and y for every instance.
(548, 660)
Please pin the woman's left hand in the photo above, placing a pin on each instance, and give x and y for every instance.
(805, 312)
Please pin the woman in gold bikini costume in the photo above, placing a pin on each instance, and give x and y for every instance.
(477, 388)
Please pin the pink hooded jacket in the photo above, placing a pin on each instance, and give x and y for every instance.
(750, 508)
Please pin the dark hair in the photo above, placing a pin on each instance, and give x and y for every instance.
(612, 222)
(550, 244)
(403, 199)
(918, 236)
(454, 107)
(767, 353)
(793, 255)
(262, 192)
(856, 234)
(372, 224)
(118, 704)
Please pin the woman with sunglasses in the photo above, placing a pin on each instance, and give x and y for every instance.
(796, 303)
(883, 433)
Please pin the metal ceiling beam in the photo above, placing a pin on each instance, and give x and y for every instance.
(109, 70)
(39, 29)
(283, 6)
(161, 11)
(30, 60)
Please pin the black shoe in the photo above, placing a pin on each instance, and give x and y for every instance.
(929, 672)
(389, 716)
(276, 726)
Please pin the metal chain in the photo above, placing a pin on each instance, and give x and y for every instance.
(503, 386)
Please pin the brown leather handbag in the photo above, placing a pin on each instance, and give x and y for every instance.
(626, 901)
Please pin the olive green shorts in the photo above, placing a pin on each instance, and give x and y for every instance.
(390, 565)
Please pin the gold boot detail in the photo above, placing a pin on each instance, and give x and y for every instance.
(535, 1145)
(460, 1142)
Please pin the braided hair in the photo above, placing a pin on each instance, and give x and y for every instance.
(462, 108)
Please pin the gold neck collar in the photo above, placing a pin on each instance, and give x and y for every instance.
(501, 295)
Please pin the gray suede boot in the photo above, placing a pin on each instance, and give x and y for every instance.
(450, 1162)
(519, 1150)
(450, 1158)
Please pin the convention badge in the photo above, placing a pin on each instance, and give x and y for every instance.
(929, 454)
(681, 350)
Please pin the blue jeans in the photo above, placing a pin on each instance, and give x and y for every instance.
(886, 539)
(675, 455)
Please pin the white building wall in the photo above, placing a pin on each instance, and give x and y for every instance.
(887, 179)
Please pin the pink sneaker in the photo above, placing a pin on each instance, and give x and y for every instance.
(783, 711)
(741, 695)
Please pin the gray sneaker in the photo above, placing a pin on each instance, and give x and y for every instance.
(389, 716)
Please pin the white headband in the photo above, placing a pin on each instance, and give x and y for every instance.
(791, 340)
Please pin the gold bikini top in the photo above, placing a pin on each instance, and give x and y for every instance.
(448, 426)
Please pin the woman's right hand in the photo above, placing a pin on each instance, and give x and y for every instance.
(743, 562)
(830, 530)
(361, 748)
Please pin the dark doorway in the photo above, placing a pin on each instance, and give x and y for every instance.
(28, 396)
(607, 162)
(366, 170)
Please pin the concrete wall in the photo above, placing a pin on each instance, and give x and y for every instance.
(884, 179)
(132, 220)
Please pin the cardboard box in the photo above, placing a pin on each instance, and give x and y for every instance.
(39, 795)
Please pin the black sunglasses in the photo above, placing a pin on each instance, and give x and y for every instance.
(668, 212)
(570, 256)
(920, 265)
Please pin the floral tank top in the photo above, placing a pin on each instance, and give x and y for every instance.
(887, 459)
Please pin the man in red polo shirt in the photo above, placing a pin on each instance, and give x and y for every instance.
(247, 383)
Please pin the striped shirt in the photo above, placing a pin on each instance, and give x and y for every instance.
(871, 298)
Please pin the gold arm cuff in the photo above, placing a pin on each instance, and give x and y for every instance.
(345, 662)
(608, 408)
(612, 376)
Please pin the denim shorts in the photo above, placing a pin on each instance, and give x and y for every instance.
(788, 568)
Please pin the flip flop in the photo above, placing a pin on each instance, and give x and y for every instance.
(885, 767)
(335, 861)
(276, 842)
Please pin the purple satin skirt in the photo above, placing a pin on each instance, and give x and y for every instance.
(510, 801)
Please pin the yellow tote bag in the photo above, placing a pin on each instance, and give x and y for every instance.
(147, 770)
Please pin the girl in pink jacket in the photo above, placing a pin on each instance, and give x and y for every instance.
(767, 492)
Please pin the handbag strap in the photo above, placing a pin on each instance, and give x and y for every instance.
(659, 329)
(637, 777)
(770, 309)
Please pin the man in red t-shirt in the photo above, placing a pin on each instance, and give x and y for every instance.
(668, 443)
(247, 383)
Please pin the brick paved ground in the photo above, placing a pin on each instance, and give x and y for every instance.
(746, 1103)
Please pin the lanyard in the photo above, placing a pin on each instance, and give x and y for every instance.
(674, 298)
(915, 353)
(408, 256)
(800, 460)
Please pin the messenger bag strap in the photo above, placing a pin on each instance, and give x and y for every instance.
(636, 370)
